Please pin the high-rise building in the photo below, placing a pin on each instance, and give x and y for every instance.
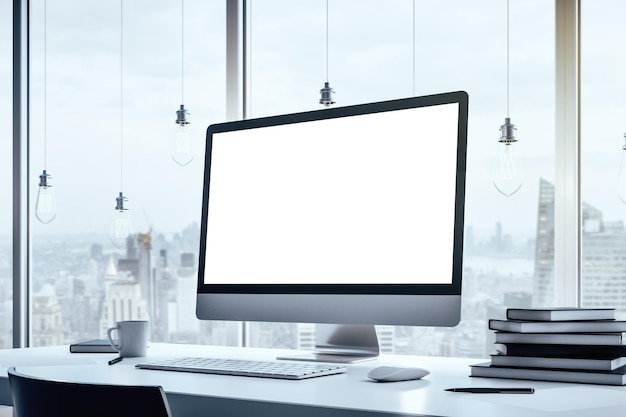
(144, 272)
(305, 336)
(123, 299)
(603, 263)
(603, 259)
(543, 283)
(186, 321)
(165, 289)
(386, 339)
(46, 316)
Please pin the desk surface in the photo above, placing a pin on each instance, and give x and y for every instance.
(347, 395)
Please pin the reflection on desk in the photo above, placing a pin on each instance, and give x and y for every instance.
(350, 394)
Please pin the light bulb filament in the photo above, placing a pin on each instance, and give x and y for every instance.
(122, 228)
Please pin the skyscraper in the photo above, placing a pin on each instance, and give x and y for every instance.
(543, 283)
(123, 299)
(145, 277)
(603, 262)
(47, 328)
(603, 266)
(165, 289)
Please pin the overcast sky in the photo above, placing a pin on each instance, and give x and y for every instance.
(459, 45)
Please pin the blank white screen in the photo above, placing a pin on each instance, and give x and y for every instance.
(366, 199)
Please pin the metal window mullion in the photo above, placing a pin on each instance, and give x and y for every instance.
(21, 244)
(567, 219)
(233, 60)
(235, 87)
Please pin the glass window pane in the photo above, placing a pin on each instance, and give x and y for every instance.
(6, 184)
(603, 188)
(458, 46)
(102, 122)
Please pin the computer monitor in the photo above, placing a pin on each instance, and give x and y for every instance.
(347, 216)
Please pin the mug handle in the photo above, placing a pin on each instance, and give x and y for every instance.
(109, 331)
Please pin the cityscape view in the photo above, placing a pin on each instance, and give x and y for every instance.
(80, 289)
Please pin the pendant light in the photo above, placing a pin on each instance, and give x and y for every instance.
(509, 171)
(326, 93)
(121, 226)
(181, 149)
(45, 207)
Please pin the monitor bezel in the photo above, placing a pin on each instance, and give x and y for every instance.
(453, 288)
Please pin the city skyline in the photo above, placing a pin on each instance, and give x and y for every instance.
(80, 288)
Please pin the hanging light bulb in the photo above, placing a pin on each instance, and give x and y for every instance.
(509, 174)
(621, 181)
(181, 148)
(45, 208)
(121, 226)
(182, 151)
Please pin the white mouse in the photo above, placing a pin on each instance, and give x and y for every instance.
(394, 373)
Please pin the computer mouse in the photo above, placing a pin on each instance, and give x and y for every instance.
(395, 373)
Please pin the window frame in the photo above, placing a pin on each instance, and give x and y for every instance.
(567, 262)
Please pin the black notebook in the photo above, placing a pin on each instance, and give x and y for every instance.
(93, 346)
(615, 377)
(582, 326)
(560, 314)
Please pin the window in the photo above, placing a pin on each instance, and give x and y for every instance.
(602, 141)
(109, 119)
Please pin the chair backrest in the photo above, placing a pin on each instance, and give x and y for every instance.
(35, 397)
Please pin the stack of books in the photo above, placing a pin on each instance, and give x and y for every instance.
(583, 345)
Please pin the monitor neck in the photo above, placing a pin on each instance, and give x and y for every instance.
(342, 343)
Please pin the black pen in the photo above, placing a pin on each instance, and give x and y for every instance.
(114, 361)
(493, 390)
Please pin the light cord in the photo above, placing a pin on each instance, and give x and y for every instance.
(507, 59)
(182, 51)
(327, 40)
(45, 84)
(413, 48)
(121, 94)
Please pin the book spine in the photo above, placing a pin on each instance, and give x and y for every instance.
(613, 339)
(560, 314)
(569, 351)
(591, 364)
(594, 326)
(548, 375)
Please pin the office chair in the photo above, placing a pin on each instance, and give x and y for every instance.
(35, 397)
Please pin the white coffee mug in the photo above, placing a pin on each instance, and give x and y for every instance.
(132, 336)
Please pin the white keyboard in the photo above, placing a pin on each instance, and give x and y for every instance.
(264, 369)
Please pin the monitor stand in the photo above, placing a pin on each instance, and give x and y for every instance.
(342, 343)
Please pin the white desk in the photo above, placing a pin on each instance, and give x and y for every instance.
(347, 395)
